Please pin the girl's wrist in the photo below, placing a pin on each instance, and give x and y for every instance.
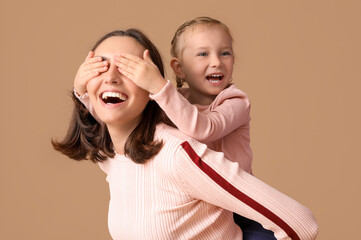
(159, 86)
(80, 96)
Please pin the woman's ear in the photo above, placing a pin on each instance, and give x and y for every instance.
(177, 68)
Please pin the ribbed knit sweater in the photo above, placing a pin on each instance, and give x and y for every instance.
(188, 191)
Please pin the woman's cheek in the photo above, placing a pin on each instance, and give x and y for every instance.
(94, 84)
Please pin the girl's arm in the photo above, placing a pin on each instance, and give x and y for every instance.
(208, 176)
(89, 69)
(229, 114)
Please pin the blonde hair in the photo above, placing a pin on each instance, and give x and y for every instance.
(176, 49)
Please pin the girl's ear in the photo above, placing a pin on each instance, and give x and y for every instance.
(177, 68)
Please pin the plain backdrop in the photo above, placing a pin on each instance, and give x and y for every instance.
(299, 62)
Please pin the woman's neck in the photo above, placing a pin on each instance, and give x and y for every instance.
(119, 134)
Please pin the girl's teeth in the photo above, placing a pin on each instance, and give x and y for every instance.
(214, 78)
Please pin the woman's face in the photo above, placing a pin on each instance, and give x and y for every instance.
(116, 99)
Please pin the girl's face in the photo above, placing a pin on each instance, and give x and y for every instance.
(116, 99)
(206, 61)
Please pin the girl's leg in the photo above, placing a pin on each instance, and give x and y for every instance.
(252, 230)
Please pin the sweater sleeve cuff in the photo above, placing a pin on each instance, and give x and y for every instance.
(161, 92)
(80, 96)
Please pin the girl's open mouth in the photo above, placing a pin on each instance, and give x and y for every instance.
(214, 78)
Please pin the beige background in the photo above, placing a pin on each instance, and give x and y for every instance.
(299, 62)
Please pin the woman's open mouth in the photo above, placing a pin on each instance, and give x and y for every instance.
(113, 97)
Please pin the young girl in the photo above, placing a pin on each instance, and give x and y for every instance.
(211, 110)
(163, 184)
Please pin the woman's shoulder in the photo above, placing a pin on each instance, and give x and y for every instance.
(168, 133)
(172, 140)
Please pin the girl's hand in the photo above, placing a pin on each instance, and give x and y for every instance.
(90, 68)
(142, 71)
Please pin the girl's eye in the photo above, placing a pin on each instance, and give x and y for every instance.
(203, 54)
(226, 53)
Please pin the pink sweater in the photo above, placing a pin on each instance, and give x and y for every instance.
(223, 125)
(188, 191)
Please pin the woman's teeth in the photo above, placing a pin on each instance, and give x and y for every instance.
(113, 97)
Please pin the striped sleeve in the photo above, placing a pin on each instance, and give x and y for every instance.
(208, 176)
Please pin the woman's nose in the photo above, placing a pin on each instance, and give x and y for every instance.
(112, 76)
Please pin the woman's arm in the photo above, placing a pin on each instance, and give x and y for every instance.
(208, 176)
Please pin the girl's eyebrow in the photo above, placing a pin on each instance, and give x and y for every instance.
(206, 48)
(201, 49)
(228, 49)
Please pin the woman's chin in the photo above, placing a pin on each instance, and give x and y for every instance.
(109, 119)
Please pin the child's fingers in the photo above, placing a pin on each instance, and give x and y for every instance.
(127, 74)
(90, 55)
(146, 56)
(100, 69)
(90, 72)
(90, 76)
(126, 65)
(90, 58)
(94, 60)
(130, 57)
(122, 68)
(94, 65)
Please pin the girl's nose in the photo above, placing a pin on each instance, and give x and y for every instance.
(215, 61)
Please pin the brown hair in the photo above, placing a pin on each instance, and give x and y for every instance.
(176, 50)
(88, 139)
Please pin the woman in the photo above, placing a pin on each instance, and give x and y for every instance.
(163, 184)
